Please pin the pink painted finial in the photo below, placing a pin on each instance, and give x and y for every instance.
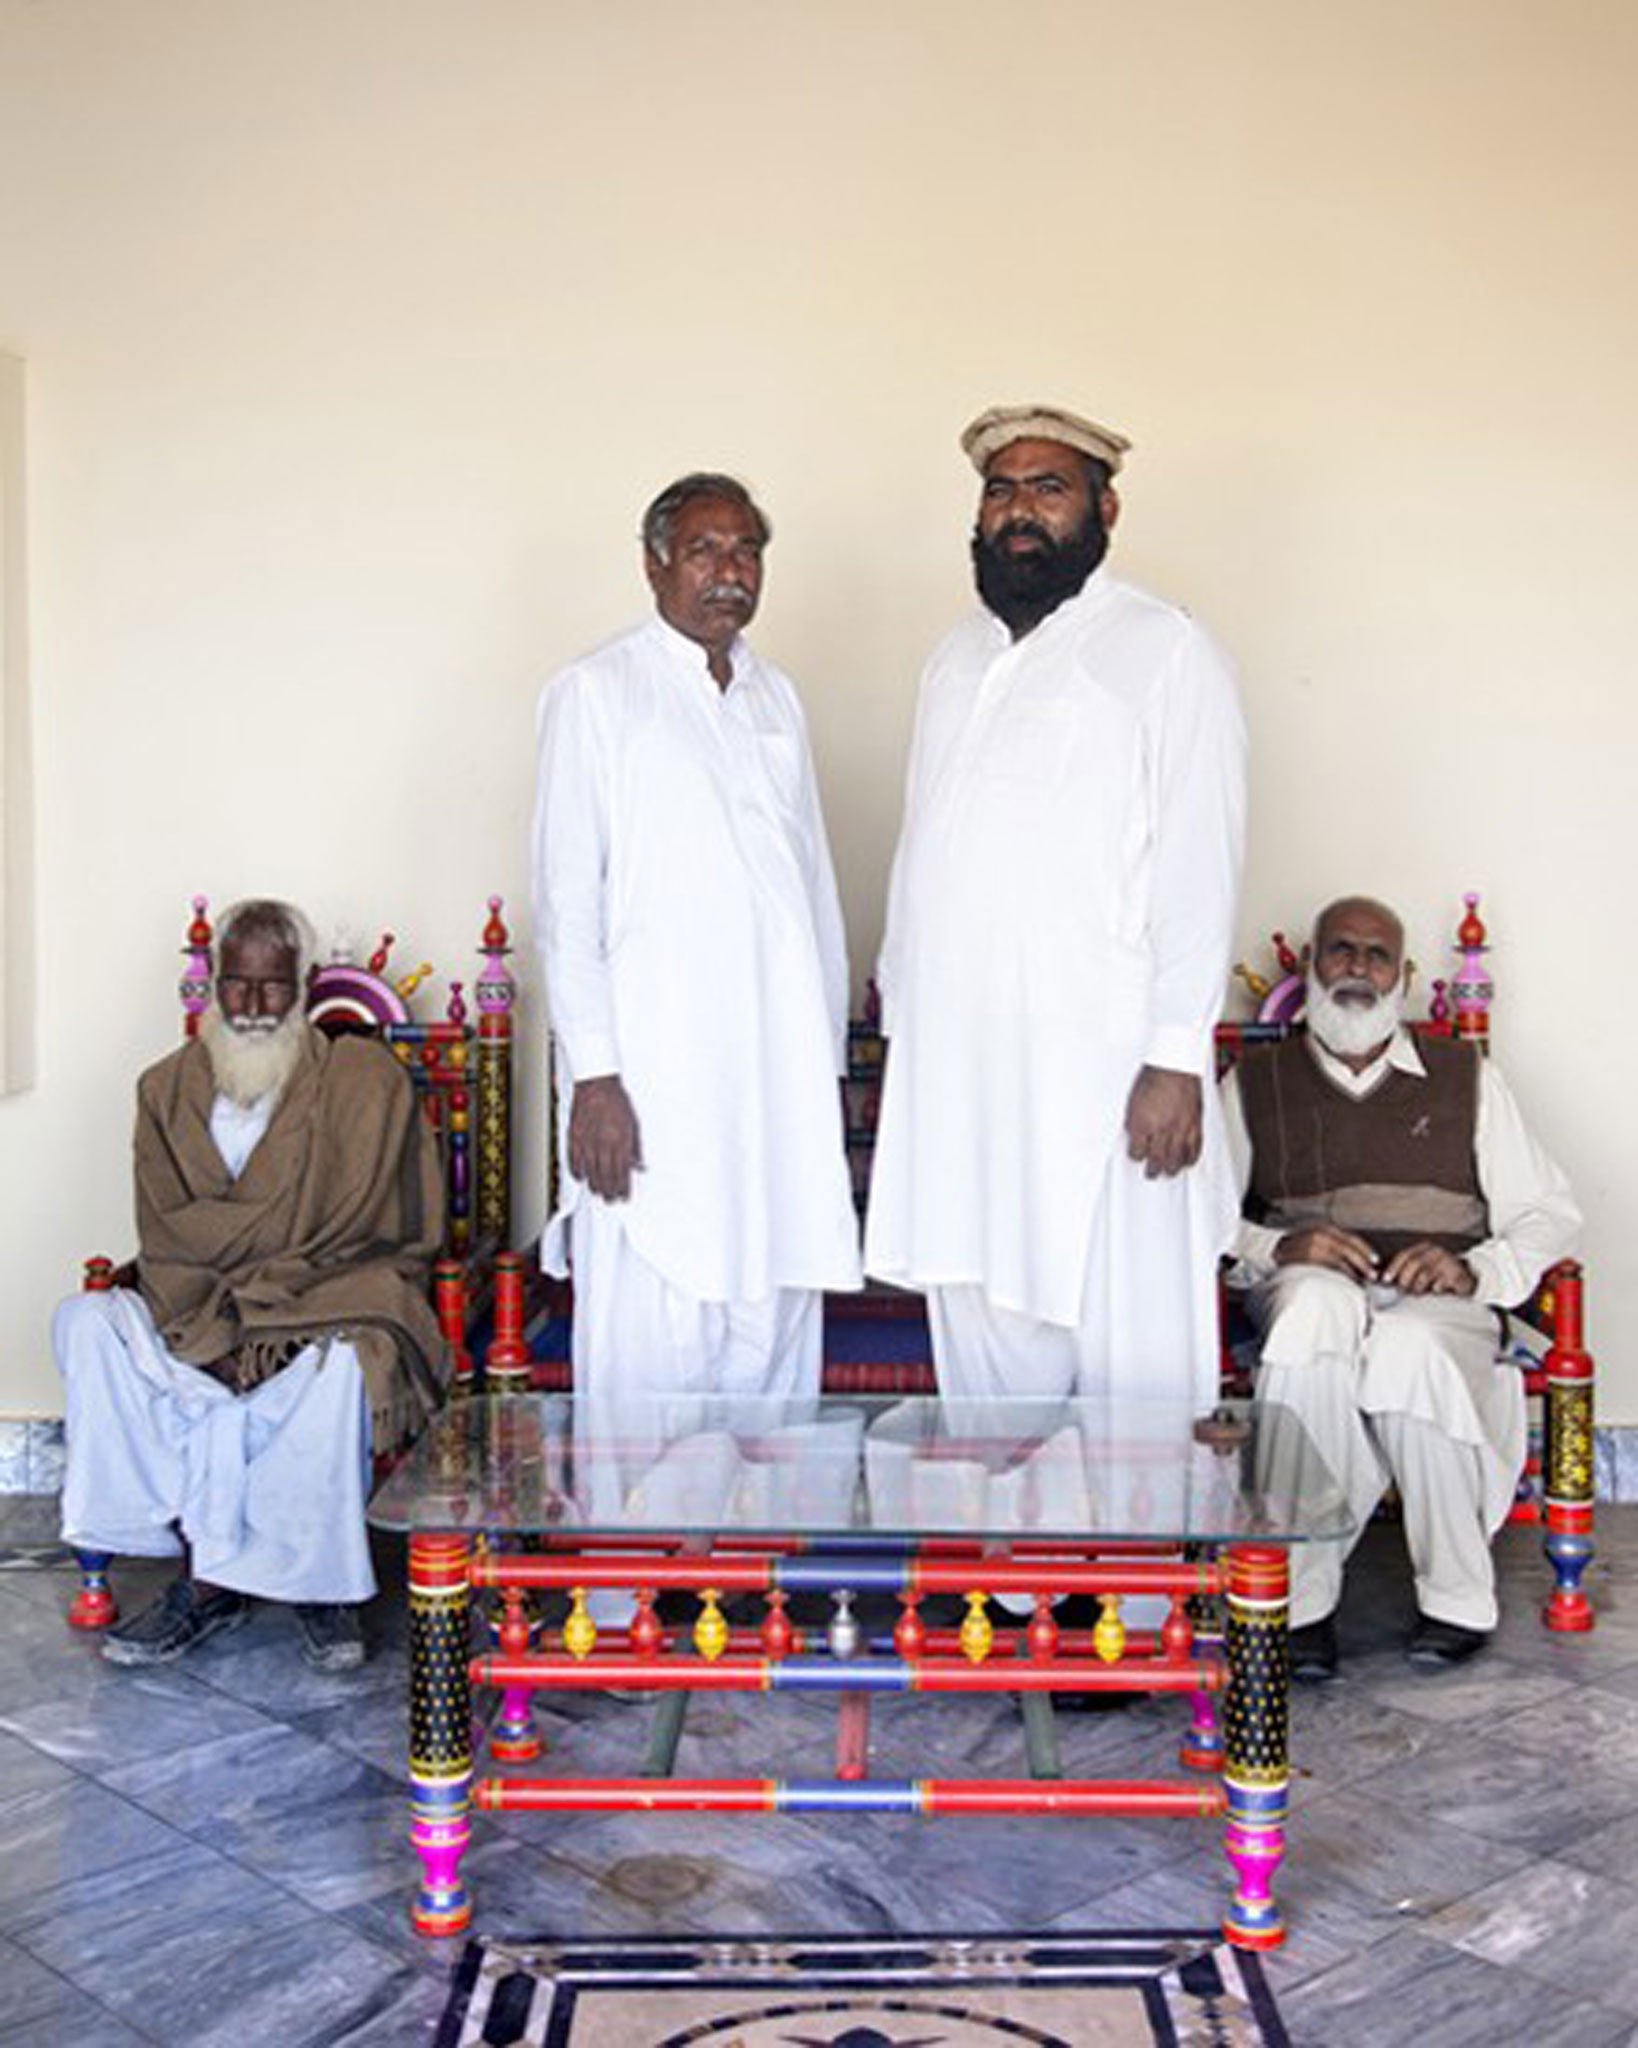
(194, 987)
(1472, 990)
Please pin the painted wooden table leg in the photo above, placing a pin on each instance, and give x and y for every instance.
(1256, 1773)
(853, 1736)
(1202, 1747)
(660, 1758)
(1041, 1735)
(512, 1738)
(440, 1729)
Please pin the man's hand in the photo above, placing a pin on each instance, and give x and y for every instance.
(1430, 1269)
(605, 1147)
(1163, 1121)
(1326, 1245)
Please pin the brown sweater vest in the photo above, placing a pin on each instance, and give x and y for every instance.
(1396, 1167)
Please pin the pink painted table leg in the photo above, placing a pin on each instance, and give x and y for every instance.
(1256, 1771)
(440, 1729)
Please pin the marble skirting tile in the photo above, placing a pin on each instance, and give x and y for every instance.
(1615, 1464)
(31, 1454)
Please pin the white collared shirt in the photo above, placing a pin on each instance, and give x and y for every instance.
(239, 1127)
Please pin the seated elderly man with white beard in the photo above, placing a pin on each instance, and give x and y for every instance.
(288, 1207)
(1394, 1202)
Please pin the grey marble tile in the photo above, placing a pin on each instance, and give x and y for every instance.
(1412, 1992)
(1573, 1927)
(1507, 1790)
(374, 1728)
(516, 1890)
(58, 1834)
(262, 1665)
(39, 1656)
(327, 1825)
(1490, 1689)
(40, 2009)
(1371, 1857)
(1326, 1920)
(1610, 1850)
(46, 1585)
(1521, 1641)
(404, 2015)
(106, 1716)
(24, 1767)
(29, 1518)
(127, 1934)
(305, 1986)
(1343, 1732)
(1593, 1726)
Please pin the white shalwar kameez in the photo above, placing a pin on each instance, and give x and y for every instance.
(1060, 916)
(1408, 1389)
(267, 1489)
(692, 938)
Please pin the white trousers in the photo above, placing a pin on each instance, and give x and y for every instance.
(1146, 1348)
(1408, 1394)
(1148, 1324)
(266, 1489)
(640, 1347)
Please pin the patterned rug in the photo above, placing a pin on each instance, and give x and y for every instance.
(1182, 1988)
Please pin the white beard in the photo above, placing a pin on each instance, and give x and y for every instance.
(1348, 1025)
(252, 1058)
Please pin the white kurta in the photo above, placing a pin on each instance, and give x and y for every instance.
(267, 1488)
(1408, 1389)
(688, 917)
(1060, 915)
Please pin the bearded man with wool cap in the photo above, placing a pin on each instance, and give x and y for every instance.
(288, 1208)
(1394, 1202)
(1049, 1165)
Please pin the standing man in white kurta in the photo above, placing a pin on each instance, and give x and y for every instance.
(696, 976)
(1050, 1166)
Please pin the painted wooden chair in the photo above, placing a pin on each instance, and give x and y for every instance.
(462, 1072)
(1543, 1339)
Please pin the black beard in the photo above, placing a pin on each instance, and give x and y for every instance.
(1022, 589)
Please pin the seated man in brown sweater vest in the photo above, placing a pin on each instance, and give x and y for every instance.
(1393, 1202)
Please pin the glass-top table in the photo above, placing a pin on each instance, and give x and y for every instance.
(678, 1540)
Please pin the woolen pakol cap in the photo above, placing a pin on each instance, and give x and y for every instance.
(1003, 424)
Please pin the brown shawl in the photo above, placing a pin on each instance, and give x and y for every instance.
(330, 1229)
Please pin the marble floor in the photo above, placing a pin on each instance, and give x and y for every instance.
(216, 1852)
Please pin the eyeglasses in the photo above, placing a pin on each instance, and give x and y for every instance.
(236, 988)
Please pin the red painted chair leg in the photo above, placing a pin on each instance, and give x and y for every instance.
(94, 1604)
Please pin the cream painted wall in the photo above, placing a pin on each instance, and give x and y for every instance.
(359, 330)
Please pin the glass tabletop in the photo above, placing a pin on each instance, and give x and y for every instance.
(845, 1467)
